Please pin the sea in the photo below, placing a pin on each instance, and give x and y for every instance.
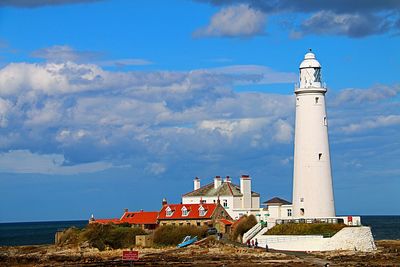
(40, 233)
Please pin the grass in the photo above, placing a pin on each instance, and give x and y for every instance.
(325, 229)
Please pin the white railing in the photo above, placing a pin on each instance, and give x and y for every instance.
(252, 232)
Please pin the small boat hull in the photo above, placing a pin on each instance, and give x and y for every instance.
(187, 242)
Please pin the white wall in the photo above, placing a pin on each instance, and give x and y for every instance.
(349, 238)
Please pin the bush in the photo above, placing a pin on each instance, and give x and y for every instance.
(325, 229)
(102, 236)
(173, 235)
(245, 223)
(70, 237)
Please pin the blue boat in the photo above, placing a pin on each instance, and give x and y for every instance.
(187, 241)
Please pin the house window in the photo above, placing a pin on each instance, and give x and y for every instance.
(225, 203)
(316, 100)
(198, 224)
(202, 201)
(289, 212)
(185, 211)
(169, 212)
(202, 211)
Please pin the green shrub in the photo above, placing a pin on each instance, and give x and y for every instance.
(173, 235)
(325, 229)
(70, 237)
(245, 223)
(109, 235)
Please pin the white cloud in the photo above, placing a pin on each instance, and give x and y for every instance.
(5, 108)
(232, 128)
(378, 122)
(23, 161)
(284, 132)
(156, 168)
(62, 53)
(375, 93)
(235, 21)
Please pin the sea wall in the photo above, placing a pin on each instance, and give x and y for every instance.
(349, 238)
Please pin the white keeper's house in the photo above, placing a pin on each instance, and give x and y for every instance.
(238, 200)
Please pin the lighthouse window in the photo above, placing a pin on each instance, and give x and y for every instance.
(325, 121)
(317, 75)
(301, 211)
(319, 156)
(316, 100)
(302, 199)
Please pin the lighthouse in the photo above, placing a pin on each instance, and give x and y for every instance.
(312, 176)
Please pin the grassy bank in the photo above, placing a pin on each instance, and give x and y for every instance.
(102, 236)
(325, 229)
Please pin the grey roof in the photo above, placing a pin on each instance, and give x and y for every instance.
(277, 200)
(225, 189)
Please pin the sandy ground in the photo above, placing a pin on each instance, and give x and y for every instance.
(214, 254)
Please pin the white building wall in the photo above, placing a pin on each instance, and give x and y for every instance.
(245, 189)
(210, 200)
(255, 202)
(349, 238)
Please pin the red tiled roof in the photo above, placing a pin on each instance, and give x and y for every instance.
(140, 217)
(193, 211)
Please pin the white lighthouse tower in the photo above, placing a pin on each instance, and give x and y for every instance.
(312, 177)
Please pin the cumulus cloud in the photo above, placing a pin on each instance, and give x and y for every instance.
(88, 114)
(338, 17)
(234, 21)
(39, 3)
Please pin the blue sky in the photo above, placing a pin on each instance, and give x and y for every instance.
(106, 105)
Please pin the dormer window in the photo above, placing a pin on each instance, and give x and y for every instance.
(168, 212)
(185, 211)
(202, 211)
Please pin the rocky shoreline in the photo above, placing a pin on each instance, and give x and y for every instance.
(211, 254)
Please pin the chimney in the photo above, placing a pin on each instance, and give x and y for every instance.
(245, 189)
(217, 181)
(227, 179)
(164, 202)
(196, 182)
(126, 210)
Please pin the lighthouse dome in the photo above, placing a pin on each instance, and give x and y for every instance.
(310, 61)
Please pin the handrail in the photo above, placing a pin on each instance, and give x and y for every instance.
(252, 232)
